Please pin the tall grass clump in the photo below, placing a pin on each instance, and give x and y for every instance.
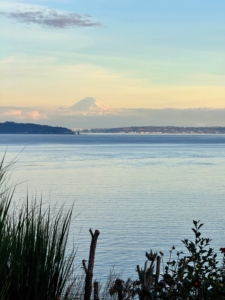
(6, 194)
(34, 261)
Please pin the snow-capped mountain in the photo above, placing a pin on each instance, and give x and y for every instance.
(91, 104)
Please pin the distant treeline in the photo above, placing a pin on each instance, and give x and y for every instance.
(159, 130)
(29, 128)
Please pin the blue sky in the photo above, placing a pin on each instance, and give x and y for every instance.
(130, 54)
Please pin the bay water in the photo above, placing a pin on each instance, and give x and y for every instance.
(140, 191)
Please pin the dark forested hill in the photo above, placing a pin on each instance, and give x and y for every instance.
(29, 128)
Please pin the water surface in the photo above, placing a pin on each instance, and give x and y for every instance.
(141, 191)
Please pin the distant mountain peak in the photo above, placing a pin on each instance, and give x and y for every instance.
(91, 104)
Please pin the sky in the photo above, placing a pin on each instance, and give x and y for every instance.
(130, 54)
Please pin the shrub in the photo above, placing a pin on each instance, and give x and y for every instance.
(195, 276)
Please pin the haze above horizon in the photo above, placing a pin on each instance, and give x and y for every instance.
(146, 54)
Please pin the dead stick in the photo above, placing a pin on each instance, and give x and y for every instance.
(119, 285)
(89, 271)
(157, 269)
(84, 265)
(96, 297)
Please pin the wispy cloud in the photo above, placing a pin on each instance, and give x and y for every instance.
(20, 113)
(50, 18)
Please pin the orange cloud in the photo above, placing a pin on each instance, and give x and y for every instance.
(35, 115)
(13, 113)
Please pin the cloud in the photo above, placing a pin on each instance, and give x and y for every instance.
(20, 113)
(120, 118)
(12, 112)
(50, 18)
(35, 115)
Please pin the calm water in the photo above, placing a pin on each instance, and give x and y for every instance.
(141, 191)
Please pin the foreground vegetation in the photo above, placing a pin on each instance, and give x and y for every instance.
(33, 261)
(36, 265)
(193, 276)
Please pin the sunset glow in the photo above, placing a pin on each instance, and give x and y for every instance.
(160, 54)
